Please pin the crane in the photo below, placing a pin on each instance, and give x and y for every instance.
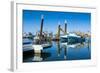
(60, 29)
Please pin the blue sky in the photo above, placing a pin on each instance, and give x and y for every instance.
(75, 21)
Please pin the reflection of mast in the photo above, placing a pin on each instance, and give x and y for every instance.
(58, 47)
(65, 52)
(58, 36)
(65, 47)
(88, 44)
(89, 47)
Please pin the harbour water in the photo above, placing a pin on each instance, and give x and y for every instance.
(59, 51)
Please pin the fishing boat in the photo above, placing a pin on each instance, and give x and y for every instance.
(72, 38)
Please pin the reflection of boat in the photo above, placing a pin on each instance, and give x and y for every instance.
(37, 57)
(28, 54)
(72, 38)
(34, 51)
(76, 45)
(32, 56)
(40, 56)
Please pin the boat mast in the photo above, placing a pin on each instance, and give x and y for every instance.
(65, 27)
(41, 28)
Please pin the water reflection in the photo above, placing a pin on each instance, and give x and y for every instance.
(60, 51)
(35, 57)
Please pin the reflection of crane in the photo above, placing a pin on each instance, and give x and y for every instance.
(61, 48)
(60, 29)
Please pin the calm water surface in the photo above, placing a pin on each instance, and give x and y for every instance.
(58, 52)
